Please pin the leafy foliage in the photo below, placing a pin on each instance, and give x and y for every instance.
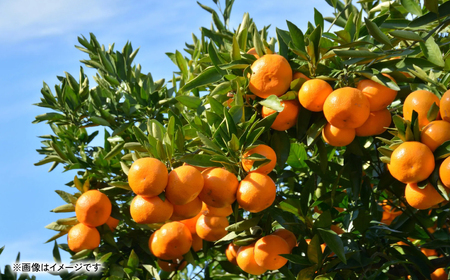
(187, 120)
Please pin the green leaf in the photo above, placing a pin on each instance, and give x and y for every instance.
(297, 37)
(133, 260)
(281, 144)
(334, 242)
(315, 130)
(64, 208)
(99, 121)
(314, 45)
(192, 102)
(235, 51)
(215, 58)
(208, 76)
(56, 255)
(432, 52)
(152, 270)
(209, 143)
(318, 18)
(443, 151)
(406, 35)
(272, 102)
(433, 112)
(307, 273)
(357, 53)
(182, 64)
(314, 251)
(244, 224)
(443, 11)
(411, 6)
(67, 197)
(297, 156)
(115, 151)
(48, 117)
(258, 43)
(432, 5)
(376, 33)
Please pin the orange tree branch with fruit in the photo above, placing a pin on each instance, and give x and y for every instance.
(314, 154)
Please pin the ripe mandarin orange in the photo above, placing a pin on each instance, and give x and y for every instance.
(82, 237)
(444, 172)
(211, 228)
(201, 169)
(338, 137)
(191, 223)
(184, 185)
(298, 75)
(421, 102)
(256, 192)
(346, 108)
(173, 265)
(93, 208)
(271, 74)
(337, 229)
(439, 274)
(219, 188)
(429, 252)
(411, 162)
(147, 177)
(186, 211)
(389, 213)
(379, 96)
(288, 236)
(171, 241)
(444, 109)
(268, 250)
(263, 150)
(149, 210)
(197, 242)
(112, 223)
(313, 93)
(246, 260)
(286, 118)
(422, 198)
(231, 253)
(216, 212)
(435, 133)
(376, 124)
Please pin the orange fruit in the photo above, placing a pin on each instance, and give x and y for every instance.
(439, 274)
(93, 208)
(444, 109)
(389, 213)
(376, 124)
(338, 137)
(148, 177)
(298, 75)
(263, 150)
(191, 223)
(286, 118)
(271, 75)
(313, 93)
(216, 212)
(268, 250)
(411, 162)
(346, 108)
(171, 241)
(429, 252)
(112, 223)
(173, 265)
(219, 188)
(231, 253)
(82, 237)
(186, 211)
(246, 260)
(422, 198)
(197, 242)
(288, 236)
(379, 96)
(421, 102)
(435, 133)
(211, 228)
(149, 210)
(184, 185)
(444, 172)
(256, 192)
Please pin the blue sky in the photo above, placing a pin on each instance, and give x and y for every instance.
(37, 41)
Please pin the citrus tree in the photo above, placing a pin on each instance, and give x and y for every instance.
(314, 154)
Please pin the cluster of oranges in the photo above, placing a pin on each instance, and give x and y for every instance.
(350, 112)
(264, 254)
(196, 201)
(93, 209)
(413, 161)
